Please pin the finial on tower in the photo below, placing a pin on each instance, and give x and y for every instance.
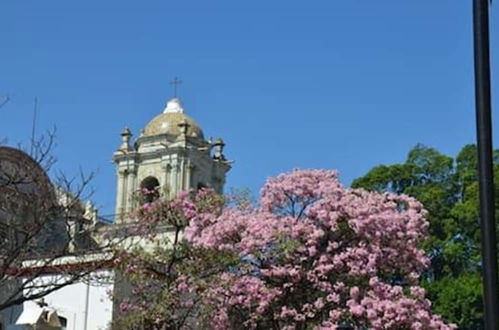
(126, 134)
(219, 145)
(183, 126)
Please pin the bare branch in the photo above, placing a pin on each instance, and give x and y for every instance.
(42, 224)
(4, 101)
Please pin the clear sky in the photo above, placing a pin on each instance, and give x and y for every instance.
(345, 84)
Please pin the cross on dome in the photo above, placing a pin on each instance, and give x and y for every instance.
(176, 81)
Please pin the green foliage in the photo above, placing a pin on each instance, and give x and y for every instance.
(458, 298)
(449, 190)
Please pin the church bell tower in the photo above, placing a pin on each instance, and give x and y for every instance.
(170, 155)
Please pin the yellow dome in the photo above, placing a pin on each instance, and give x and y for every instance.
(167, 123)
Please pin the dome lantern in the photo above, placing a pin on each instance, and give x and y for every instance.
(174, 106)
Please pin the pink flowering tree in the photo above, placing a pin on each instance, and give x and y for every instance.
(311, 255)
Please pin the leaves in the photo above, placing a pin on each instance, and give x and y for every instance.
(448, 189)
(313, 255)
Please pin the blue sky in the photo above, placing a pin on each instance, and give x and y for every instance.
(311, 84)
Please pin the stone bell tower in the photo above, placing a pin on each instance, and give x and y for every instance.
(170, 155)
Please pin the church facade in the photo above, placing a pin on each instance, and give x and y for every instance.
(170, 155)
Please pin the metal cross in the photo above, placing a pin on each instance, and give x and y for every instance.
(176, 81)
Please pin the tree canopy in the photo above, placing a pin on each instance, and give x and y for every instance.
(312, 255)
(448, 189)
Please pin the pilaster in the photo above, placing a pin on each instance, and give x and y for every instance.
(120, 193)
(131, 188)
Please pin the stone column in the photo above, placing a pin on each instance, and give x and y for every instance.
(174, 177)
(131, 186)
(182, 175)
(120, 193)
(125, 194)
(188, 175)
(166, 186)
(221, 185)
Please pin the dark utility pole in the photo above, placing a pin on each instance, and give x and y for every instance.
(485, 165)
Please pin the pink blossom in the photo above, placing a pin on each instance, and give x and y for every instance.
(313, 253)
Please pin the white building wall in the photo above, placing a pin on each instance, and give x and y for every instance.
(85, 306)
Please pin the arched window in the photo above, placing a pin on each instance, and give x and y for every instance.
(149, 189)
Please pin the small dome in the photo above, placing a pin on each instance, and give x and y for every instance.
(168, 122)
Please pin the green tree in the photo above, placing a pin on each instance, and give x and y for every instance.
(448, 188)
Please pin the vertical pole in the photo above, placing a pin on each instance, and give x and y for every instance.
(485, 165)
(33, 128)
(87, 301)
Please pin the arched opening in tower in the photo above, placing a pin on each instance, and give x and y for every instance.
(150, 189)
